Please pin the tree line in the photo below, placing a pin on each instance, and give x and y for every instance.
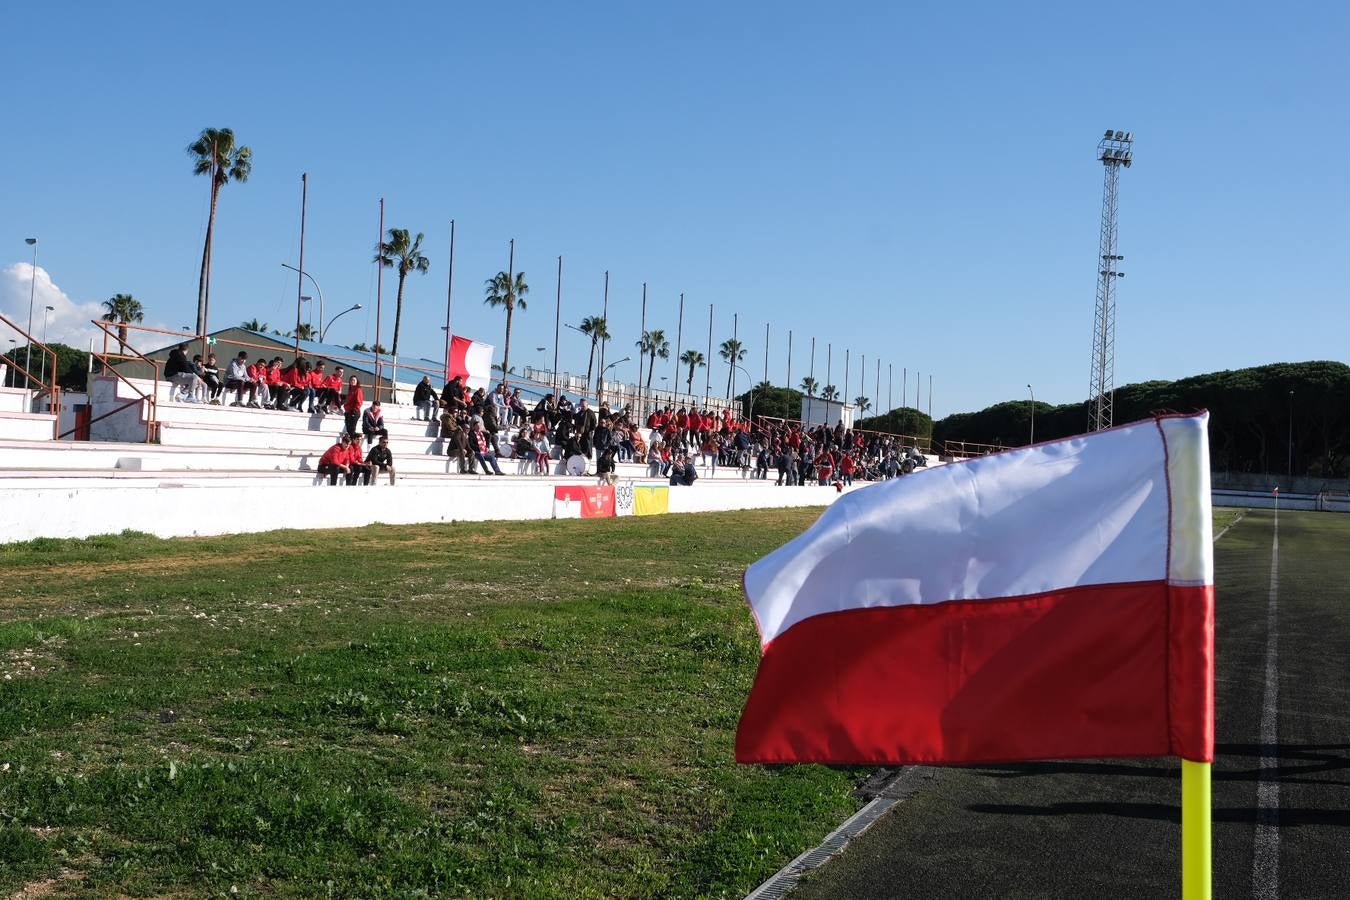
(1262, 419)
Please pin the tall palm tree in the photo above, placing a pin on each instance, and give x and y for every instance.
(304, 332)
(731, 351)
(122, 308)
(598, 330)
(502, 291)
(405, 254)
(362, 347)
(654, 344)
(255, 325)
(214, 153)
(809, 386)
(863, 404)
(693, 359)
(829, 392)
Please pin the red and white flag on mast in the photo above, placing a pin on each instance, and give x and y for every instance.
(470, 360)
(1049, 602)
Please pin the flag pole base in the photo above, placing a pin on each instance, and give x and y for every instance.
(1196, 831)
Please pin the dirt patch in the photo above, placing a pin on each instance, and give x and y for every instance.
(29, 662)
(47, 887)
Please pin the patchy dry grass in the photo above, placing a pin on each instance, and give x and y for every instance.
(530, 709)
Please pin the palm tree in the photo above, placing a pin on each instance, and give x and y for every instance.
(693, 359)
(214, 153)
(863, 404)
(255, 325)
(405, 254)
(122, 308)
(502, 291)
(731, 351)
(809, 386)
(598, 329)
(829, 392)
(303, 332)
(654, 344)
(362, 347)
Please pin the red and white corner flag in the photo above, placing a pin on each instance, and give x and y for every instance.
(1049, 602)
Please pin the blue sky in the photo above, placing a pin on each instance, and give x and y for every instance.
(913, 182)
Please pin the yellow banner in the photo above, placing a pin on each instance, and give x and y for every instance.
(651, 501)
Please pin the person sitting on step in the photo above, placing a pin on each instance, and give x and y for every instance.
(372, 423)
(334, 461)
(380, 458)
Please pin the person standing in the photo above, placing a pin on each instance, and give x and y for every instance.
(351, 406)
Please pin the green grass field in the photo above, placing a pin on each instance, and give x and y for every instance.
(523, 709)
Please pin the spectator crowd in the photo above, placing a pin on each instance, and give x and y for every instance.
(478, 428)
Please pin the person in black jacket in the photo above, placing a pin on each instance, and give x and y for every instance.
(380, 458)
(179, 371)
(583, 427)
(424, 397)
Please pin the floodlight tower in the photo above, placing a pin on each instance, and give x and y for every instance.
(1114, 150)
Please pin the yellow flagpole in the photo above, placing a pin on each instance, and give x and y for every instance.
(1196, 852)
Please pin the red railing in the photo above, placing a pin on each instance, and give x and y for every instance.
(50, 388)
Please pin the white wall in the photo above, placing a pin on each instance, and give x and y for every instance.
(170, 509)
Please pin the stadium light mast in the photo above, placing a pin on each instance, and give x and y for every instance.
(1114, 150)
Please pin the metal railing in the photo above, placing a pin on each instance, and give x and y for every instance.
(51, 389)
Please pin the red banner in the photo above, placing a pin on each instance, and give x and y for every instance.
(587, 502)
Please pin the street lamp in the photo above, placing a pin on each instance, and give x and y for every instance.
(1032, 439)
(32, 291)
(748, 380)
(600, 390)
(318, 290)
(1291, 435)
(323, 330)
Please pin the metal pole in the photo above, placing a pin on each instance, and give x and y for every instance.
(32, 292)
(46, 316)
(679, 334)
(829, 361)
(449, 295)
(766, 352)
(878, 391)
(845, 397)
(812, 374)
(557, 326)
(1032, 438)
(379, 296)
(904, 386)
(930, 395)
(890, 386)
(789, 365)
(511, 298)
(736, 347)
(604, 314)
(642, 351)
(1291, 436)
(707, 375)
(300, 278)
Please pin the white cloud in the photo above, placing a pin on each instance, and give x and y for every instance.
(67, 323)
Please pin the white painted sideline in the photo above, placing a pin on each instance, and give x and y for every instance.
(168, 508)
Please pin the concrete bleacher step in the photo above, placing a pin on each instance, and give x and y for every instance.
(25, 426)
(12, 399)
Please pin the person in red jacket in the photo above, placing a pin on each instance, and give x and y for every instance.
(317, 377)
(825, 466)
(356, 463)
(276, 383)
(330, 394)
(351, 407)
(336, 461)
(846, 468)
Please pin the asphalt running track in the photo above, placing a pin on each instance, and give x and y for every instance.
(1111, 828)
